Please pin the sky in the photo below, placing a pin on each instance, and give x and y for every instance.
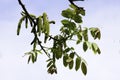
(104, 14)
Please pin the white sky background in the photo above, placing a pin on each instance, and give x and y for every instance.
(104, 14)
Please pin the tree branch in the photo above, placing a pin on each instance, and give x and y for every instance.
(72, 2)
(23, 7)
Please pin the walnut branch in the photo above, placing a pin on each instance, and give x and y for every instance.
(39, 42)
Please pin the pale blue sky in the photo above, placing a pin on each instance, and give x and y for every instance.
(104, 14)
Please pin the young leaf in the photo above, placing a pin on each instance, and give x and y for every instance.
(44, 21)
(39, 25)
(46, 25)
(47, 28)
(19, 24)
(84, 68)
(77, 65)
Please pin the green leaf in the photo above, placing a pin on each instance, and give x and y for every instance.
(94, 47)
(29, 58)
(34, 45)
(38, 51)
(72, 48)
(49, 60)
(99, 35)
(84, 68)
(82, 11)
(92, 30)
(33, 58)
(65, 57)
(50, 69)
(85, 34)
(64, 44)
(72, 55)
(85, 46)
(72, 26)
(36, 56)
(88, 44)
(19, 24)
(58, 52)
(95, 32)
(78, 61)
(68, 13)
(79, 36)
(78, 41)
(65, 22)
(77, 18)
(71, 64)
(67, 50)
(98, 50)
(46, 28)
(26, 22)
(39, 25)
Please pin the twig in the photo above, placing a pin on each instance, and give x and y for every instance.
(39, 42)
(71, 1)
(23, 7)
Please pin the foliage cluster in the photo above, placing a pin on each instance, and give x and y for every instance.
(71, 30)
